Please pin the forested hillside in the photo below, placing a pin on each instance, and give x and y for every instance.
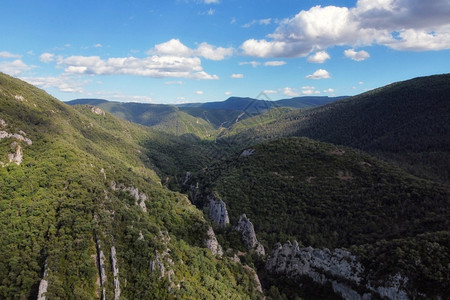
(323, 195)
(83, 214)
(405, 122)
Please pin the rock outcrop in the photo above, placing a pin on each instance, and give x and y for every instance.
(16, 154)
(218, 211)
(101, 269)
(212, 243)
(97, 111)
(115, 269)
(338, 267)
(43, 285)
(249, 236)
(139, 197)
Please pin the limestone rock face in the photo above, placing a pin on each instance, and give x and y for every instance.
(338, 267)
(249, 236)
(212, 243)
(43, 285)
(138, 196)
(115, 269)
(218, 211)
(97, 111)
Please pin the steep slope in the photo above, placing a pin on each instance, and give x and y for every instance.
(406, 122)
(198, 118)
(324, 195)
(84, 216)
(166, 118)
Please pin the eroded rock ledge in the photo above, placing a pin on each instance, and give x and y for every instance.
(338, 267)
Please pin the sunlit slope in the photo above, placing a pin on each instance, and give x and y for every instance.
(82, 208)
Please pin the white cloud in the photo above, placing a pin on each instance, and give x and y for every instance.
(309, 90)
(6, 54)
(213, 53)
(253, 63)
(47, 57)
(175, 48)
(152, 66)
(270, 92)
(267, 21)
(199, 92)
(287, 91)
(98, 45)
(274, 63)
(318, 57)
(14, 68)
(360, 82)
(413, 25)
(211, 1)
(319, 74)
(330, 90)
(237, 76)
(228, 93)
(63, 83)
(356, 55)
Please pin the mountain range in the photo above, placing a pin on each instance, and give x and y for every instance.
(310, 197)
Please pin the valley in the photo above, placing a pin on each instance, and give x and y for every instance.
(309, 197)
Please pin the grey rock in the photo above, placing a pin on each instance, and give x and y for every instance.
(212, 243)
(43, 285)
(218, 211)
(115, 269)
(338, 267)
(249, 236)
(139, 197)
(97, 111)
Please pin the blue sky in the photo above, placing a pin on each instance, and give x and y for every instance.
(177, 51)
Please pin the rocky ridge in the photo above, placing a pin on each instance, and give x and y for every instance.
(339, 267)
(248, 235)
(218, 211)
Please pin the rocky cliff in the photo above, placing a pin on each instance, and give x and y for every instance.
(248, 235)
(339, 268)
(218, 210)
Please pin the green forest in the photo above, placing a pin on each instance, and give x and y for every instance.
(99, 207)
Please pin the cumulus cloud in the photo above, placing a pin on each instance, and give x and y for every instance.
(173, 47)
(47, 57)
(356, 55)
(319, 74)
(413, 25)
(213, 53)
(98, 45)
(237, 76)
(199, 92)
(153, 66)
(176, 48)
(6, 54)
(14, 68)
(228, 93)
(274, 63)
(318, 57)
(330, 90)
